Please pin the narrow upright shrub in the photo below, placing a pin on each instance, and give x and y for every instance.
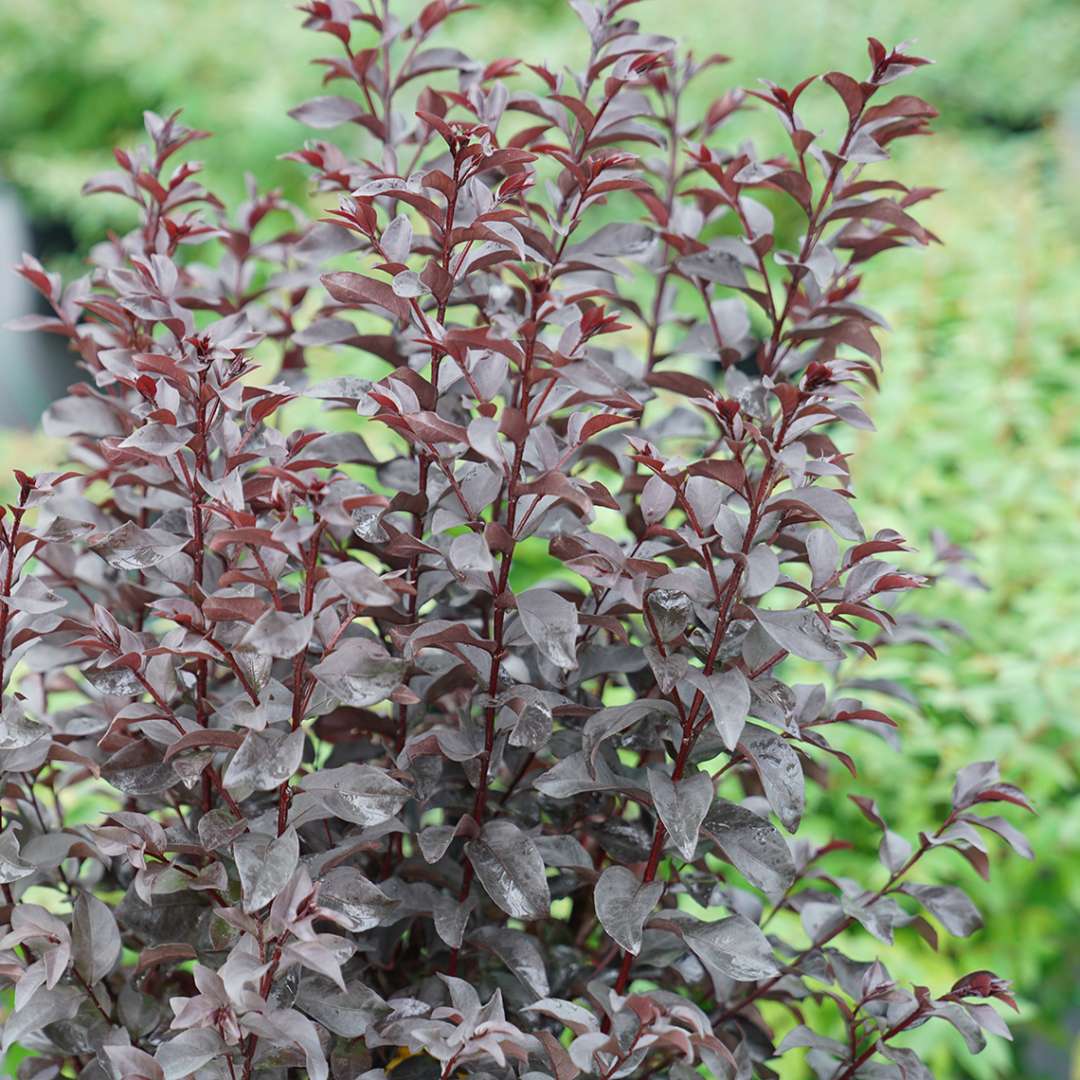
(470, 735)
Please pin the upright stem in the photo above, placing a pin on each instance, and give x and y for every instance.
(311, 560)
(424, 463)
(198, 555)
(669, 202)
(727, 599)
(689, 732)
(498, 621)
(11, 541)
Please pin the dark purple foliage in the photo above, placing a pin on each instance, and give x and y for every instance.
(355, 799)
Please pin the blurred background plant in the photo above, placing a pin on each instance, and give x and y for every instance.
(978, 430)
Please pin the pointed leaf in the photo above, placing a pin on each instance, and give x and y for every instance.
(728, 696)
(734, 948)
(752, 845)
(623, 903)
(265, 866)
(682, 806)
(359, 905)
(511, 869)
(95, 939)
(360, 672)
(951, 906)
(801, 632)
(362, 794)
(278, 633)
(552, 624)
(780, 772)
(266, 759)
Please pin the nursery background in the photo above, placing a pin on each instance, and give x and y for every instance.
(977, 417)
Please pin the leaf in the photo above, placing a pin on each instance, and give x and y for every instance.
(960, 1019)
(434, 841)
(289, 1028)
(893, 851)
(720, 267)
(265, 866)
(657, 498)
(362, 794)
(361, 585)
(161, 955)
(360, 672)
(623, 903)
(617, 239)
(397, 239)
(189, 1051)
(879, 918)
(45, 1007)
(360, 905)
(604, 724)
(131, 1063)
(469, 553)
(574, 775)
(346, 1013)
(980, 782)
(1007, 831)
(511, 869)
(733, 948)
(668, 670)
(951, 906)
(752, 845)
(682, 806)
(802, 1036)
(520, 953)
(81, 415)
(850, 91)
(911, 1065)
(575, 1017)
(671, 611)
(328, 111)
(131, 548)
(139, 769)
(355, 290)
(728, 696)
(159, 440)
(279, 633)
(201, 738)
(95, 939)
(801, 632)
(18, 730)
(451, 917)
(552, 625)
(533, 727)
(12, 866)
(828, 505)
(408, 284)
(218, 828)
(265, 760)
(114, 681)
(780, 772)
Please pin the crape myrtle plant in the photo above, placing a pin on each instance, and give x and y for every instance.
(299, 776)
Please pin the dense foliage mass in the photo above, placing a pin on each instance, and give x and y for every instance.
(362, 804)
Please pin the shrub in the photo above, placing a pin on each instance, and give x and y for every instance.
(454, 750)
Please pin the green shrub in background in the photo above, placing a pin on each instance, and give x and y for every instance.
(77, 74)
(990, 312)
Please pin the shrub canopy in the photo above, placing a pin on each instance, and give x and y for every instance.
(300, 771)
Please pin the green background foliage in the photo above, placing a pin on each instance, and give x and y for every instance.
(977, 418)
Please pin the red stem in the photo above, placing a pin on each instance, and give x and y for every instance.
(498, 620)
